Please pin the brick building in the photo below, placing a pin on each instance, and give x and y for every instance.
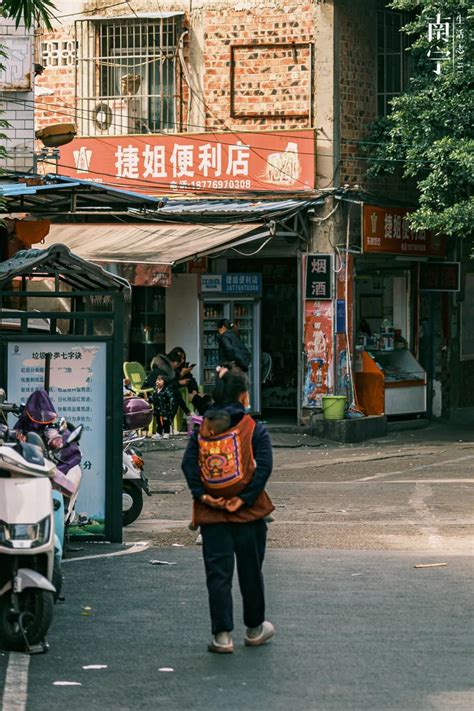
(330, 66)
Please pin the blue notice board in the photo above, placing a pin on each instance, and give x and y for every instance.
(244, 284)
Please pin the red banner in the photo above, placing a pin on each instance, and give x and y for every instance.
(386, 230)
(206, 162)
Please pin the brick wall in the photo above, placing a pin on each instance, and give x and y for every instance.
(55, 87)
(272, 84)
(357, 36)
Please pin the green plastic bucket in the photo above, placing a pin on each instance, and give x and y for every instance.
(334, 407)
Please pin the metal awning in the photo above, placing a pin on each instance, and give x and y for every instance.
(163, 243)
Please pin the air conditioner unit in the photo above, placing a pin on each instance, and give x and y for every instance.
(114, 117)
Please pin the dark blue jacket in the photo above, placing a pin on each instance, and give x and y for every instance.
(262, 452)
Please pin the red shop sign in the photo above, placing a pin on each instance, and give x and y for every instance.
(385, 230)
(206, 162)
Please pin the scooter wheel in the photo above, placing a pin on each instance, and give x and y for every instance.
(36, 610)
(132, 502)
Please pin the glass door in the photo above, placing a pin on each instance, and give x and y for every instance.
(212, 312)
(246, 322)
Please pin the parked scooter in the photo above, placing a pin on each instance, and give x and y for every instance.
(137, 415)
(134, 479)
(39, 415)
(27, 541)
(57, 495)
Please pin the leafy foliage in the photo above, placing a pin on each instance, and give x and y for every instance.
(429, 130)
(28, 11)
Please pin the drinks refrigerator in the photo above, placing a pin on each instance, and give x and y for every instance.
(245, 314)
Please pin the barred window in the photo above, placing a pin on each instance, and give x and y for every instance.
(127, 75)
(392, 58)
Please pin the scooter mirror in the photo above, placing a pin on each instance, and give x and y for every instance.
(75, 435)
(3, 395)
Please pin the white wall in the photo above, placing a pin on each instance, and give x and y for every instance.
(182, 321)
(16, 106)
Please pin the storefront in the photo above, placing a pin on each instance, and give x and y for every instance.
(258, 248)
(393, 342)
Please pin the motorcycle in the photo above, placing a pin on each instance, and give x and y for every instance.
(137, 415)
(27, 542)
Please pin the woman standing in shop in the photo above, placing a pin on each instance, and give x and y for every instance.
(231, 348)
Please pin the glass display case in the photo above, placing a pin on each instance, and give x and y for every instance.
(390, 383)
(147, 333)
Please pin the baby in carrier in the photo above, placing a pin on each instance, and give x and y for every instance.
(215, 423)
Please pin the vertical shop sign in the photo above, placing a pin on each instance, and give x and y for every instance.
(77, 388)
(344, 329)
(319, 276)
(318, 340)
(340, 316)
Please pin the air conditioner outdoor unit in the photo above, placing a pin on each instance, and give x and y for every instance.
(115, 117)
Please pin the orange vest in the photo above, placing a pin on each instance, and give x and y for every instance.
(227, 465)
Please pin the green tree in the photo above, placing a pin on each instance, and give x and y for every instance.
(429, 131)
(28, 11)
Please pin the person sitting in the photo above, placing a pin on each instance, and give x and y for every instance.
(184, 377)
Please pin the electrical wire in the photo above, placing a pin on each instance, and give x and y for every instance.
(104, 139)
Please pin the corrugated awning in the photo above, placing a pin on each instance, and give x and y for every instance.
(164, 243)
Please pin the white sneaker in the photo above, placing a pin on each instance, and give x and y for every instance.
(221, 643)
(256, 636)
(166, 435)
(156, 436)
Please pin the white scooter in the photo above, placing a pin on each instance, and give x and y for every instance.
(26, 545)
(134, 481)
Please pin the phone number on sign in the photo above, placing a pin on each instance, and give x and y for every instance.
(217, 184)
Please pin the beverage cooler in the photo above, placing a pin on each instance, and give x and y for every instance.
(244, 313)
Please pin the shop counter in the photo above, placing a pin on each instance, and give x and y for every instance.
(390, 383)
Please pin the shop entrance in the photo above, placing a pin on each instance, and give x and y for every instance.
(389, 379)
(279, 333)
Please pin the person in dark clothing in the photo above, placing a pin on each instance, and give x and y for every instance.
(165, 407)
(168, 365)
(184, 377)
(230, 505)
(231, 348)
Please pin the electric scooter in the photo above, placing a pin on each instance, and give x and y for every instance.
(134, 481)
(27, 541)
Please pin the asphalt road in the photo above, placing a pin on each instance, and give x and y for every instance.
(358, 627)
(409, 491)
(355, 630)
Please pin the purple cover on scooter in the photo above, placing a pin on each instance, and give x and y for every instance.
(39, 411)
(137, 413)
(38, 414)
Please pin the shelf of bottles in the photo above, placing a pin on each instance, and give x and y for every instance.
(241, 314)
(212, 313)
(147, 331)
(242, 318)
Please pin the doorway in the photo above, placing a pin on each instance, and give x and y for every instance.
(279, 334)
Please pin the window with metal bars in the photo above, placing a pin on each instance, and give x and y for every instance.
(126, 75)
(393, 69)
